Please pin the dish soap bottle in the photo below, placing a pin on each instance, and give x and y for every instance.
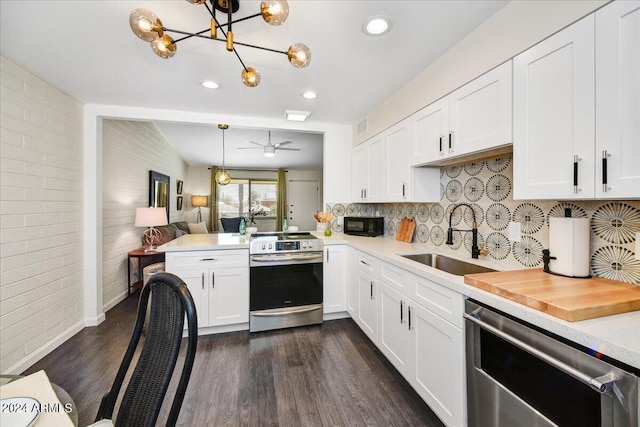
(243, 227)
(285, 226)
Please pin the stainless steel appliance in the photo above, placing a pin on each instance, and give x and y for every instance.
(370, 226)
(518, 375)
(285, 275)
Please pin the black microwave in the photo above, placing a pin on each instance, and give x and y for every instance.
(370, 226)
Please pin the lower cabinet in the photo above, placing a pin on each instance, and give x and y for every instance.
(426, 345)
(334, 279)
(218, 282)
(352, 283)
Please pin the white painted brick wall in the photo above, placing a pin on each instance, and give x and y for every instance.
(41, 183)
(130, 150)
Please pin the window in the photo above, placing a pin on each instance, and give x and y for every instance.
(248, 198)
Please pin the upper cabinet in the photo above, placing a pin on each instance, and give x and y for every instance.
(382, 172)
(618, 100)
(473, 119)
(576, 108)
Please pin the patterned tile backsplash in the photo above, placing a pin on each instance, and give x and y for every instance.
(487, 187)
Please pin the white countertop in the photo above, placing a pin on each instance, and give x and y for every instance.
(616, 336)
(204, 242)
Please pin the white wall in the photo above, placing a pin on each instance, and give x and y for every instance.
(41, 228)
(517, 26)
(130, 150)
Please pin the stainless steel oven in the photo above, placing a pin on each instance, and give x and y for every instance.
(285, 274)
(519, 375)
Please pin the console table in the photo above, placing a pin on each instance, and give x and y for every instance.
(144, 259)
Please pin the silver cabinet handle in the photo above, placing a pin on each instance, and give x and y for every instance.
(576, 159)
(409, 315)
(213, 279)
(404, 185)
(285, 313)
(450, 141)
(327, 255)
(598, 384)
(203, 281)
(605, 155)
(364, 262)
(440, 146)
(371, 285)
(208, 259)
(401, 313)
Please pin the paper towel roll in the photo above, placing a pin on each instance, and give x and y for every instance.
(569, 244)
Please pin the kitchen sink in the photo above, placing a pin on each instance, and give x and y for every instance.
(450, 265)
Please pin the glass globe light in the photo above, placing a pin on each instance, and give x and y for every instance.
(164, 47)
(274, 12)
(145, 24)
(299, 55)
(250, 77)
(222, 177)
(196, 1)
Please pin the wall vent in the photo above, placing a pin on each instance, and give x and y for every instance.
(363, 126)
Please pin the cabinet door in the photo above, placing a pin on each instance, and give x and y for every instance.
(395, 337)
(359, 172)
(352, 287)
(367, 306)
(228, 296)
(334, 279)
(618, 100)
(438, 365)
(480, 113)
(196, 281)
(430, 133)
(397, 140)
(553, 116)
(376, 169)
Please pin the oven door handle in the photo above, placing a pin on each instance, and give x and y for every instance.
(601, 384)
(284, 313)
(279, 258)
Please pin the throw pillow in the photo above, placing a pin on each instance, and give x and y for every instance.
(199, 228)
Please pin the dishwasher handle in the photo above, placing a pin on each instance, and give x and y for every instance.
(601, 384)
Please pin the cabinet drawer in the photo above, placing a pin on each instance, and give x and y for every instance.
(367, 264)
(207, 259)
(443, 302)
(398, 279)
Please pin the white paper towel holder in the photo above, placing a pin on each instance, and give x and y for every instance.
(546, 257)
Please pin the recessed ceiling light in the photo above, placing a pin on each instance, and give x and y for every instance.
(296, 116)
(209, 84)
(309, 95)
(376, 26)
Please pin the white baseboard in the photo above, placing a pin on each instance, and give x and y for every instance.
(119, 298)
(336, 316)
(94, 321)
(47, 348)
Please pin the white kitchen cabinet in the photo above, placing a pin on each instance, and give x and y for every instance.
(618, 99)
(218, 282)
(335, 279)
(553, 121)
(438, 364)
(352, 285)
(473, 119)
(395, 336)
(404, 183)
(368, 170)
(368, 305)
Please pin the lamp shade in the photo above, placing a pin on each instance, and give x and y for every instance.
(151, 217)
(199, 201)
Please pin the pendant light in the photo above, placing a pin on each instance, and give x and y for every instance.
(223, 177)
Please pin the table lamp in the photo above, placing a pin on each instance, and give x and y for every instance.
(151, 217)
(199, 202)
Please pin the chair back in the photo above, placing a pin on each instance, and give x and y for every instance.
(146, 389)
(231, 225)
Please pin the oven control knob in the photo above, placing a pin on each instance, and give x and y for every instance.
(263, 246)
(304, 245)
(270, 246)
(310, 244)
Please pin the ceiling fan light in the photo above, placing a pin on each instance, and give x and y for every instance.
(223, 177)
(145, 24)
(164, 47)
(250, 77)
(274, 12)
(269, 151)
(299, 55)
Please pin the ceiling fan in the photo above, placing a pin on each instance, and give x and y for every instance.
(269, 148)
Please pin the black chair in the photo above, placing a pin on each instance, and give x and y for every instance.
(231, 225)
(150, 379)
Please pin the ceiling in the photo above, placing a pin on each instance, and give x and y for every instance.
(87, 49)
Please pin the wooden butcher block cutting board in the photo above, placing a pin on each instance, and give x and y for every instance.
(564, 297)
(406, 229)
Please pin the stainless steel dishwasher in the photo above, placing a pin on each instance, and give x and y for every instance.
(518, 375)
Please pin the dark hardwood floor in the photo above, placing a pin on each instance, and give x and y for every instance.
(325, 375)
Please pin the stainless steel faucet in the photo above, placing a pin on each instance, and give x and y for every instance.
(475, 250)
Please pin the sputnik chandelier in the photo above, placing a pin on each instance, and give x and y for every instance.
(146, 25)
